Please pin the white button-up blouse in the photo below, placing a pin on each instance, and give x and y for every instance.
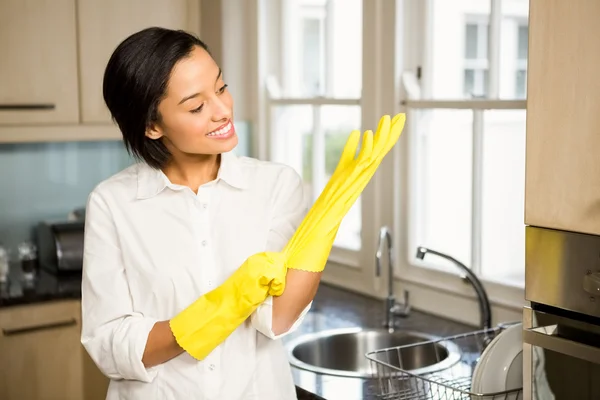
(152, 248)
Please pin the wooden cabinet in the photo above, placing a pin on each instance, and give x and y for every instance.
(38, 67)
(41, 351)
(54, 53)
(563, 116)
(102, 25)
(42, 356)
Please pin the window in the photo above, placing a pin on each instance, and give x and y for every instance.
(313, 60)
(476, 75)
(521, 74)
(314, 97)
(468, 160)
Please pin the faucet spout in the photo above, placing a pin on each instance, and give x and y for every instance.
(392, 308)
(385, 237)
(484, 302)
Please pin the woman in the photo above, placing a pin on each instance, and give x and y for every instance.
(183, 251)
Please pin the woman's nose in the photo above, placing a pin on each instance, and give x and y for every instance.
(222, 110)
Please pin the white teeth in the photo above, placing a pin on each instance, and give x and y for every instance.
(221, 131)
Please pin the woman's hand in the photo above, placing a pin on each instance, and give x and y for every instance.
(206, 323)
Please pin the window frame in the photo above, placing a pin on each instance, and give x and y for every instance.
(273, 97)
(433, 282)
(385, 204)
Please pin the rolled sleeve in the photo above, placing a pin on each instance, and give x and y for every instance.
(290, 208)
(262, 319)
(113, 334)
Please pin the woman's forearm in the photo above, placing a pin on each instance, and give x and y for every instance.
(161, 345)
(300, 289)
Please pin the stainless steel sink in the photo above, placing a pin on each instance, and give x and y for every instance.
(342, 352)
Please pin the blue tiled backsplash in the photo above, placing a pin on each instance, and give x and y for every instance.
(46, 181)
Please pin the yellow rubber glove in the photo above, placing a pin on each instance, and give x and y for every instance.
(206, 323)
(310, 246)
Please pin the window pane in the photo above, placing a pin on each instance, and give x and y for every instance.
(471, 42)
(476, 83)
(322, 48)
(305, 128)
(457, 37)
(484, 41)
(521, 84)
(513, 48)
(469, 82)
(459, 40)
(289, 126)
(443, 213)
(485, 83)
(344, 49)
(523, 36)
(312, 66)
(503, 233)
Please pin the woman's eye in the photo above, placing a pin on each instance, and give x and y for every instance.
(197, 110)
(222, 89)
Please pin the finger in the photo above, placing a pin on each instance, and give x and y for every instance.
(398, 123)
(397, 117)
(350, 148)
(348, 153)
(381, 135)
(366, 148)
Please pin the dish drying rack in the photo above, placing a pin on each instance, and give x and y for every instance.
(449, 379)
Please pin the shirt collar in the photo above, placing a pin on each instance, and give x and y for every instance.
(232, 171)
(152, 181)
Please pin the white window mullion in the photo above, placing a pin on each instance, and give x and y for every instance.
(494, 49)
(318, 153)
(328, 68)
(477, 191)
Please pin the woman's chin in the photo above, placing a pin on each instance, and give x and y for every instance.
(218, 146)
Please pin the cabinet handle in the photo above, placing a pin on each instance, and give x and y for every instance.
(34, 328)
(20, 107)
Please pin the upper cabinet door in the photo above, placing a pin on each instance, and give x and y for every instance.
(563, 116)
(104, 24)
(38, 62)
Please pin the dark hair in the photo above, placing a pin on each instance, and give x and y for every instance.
(135, 81)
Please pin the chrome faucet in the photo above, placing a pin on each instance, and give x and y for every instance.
(392, 308)
(485, 313)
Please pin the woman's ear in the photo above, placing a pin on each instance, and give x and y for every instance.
(154, 132)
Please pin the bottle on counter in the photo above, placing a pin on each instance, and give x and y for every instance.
(28, 259)
(4, 266)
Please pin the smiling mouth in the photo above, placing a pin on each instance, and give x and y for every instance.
(222, 132)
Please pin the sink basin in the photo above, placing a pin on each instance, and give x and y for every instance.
(342, 352)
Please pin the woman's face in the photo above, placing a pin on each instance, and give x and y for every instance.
(196, 114)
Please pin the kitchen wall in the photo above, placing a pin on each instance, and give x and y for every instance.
(46, 181)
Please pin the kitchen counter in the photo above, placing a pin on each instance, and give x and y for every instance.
(337, 308)
(45, 287)
(332, 308)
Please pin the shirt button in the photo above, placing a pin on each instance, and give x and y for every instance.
(205, 206)
(204, 243)
(212, 367)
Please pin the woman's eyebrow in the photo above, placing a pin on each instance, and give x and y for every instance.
(191, 96)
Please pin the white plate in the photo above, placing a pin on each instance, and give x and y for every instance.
(500, 367)
(483, 359)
